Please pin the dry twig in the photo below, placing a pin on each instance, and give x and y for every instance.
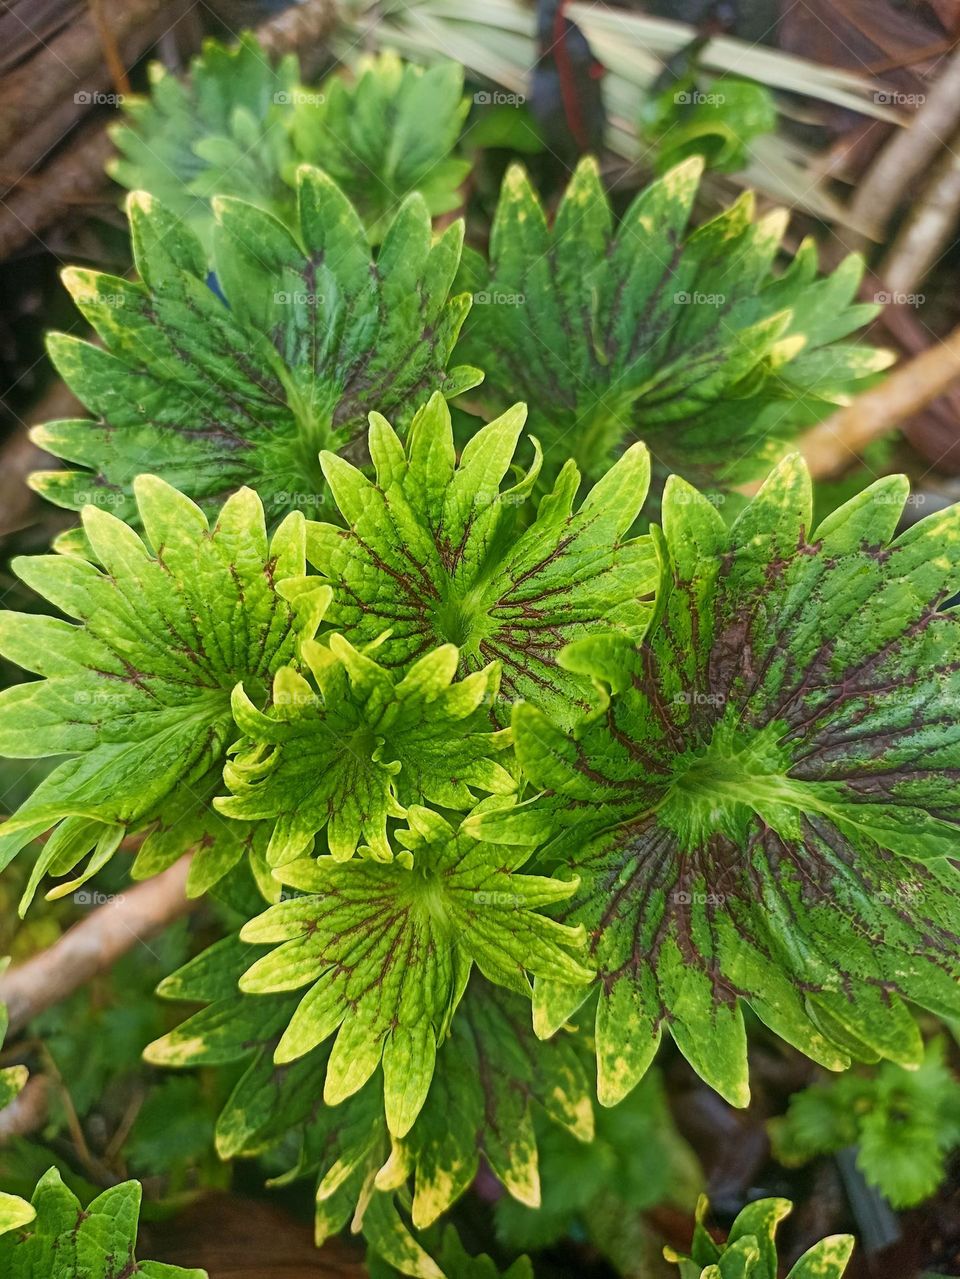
(907, 156)
(95, 944)
(836, 441)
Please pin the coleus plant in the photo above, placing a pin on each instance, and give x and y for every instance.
(389, 130)
(222, 131)
(240, 126)
(137, 697)
(692, 342)
(639, 328)
(56, 1238)
(213, 392)
(480, 742)
(728, 749)
(764, 808)
(750, 1249)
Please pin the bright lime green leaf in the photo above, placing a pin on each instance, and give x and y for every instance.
(222, 131)
(718, 121)
(359, 746)
(137, 694)
(765, 809)
(687, 341)
(489, 1072)
(386, 950)
(61, 1240)
(12, 1081)
(436, 553)
(389, 131)
(750, 1251)
(212, 396)
(393, 1242)
(342, 1146)
(453, 1261)
(14, 1213)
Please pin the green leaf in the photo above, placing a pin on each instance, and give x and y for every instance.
(386, 949)
(222, 131)
(389, 131)
(686, 340)
(905, 1123)
(436, 553)
(636, 1160)
(765, 809)
(490, 1073)
(455, 1262)
(825, 1260)
(718, 122)
(136, 696)
(750, 1251)
(14, 1213)
(12, 1078)
(61, 1240)
(358, 746)
(238, 126)
(212, 396)
(343, 1146)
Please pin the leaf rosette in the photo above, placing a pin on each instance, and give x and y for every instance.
(214, 392)
(750, 1249)
(58, 1239)
(643, 330)
(358, 746)
(764, 809)
(136, 694)
(436, 552)
(491, 1074)
(386, 949)
(389, 130)
(224, 130)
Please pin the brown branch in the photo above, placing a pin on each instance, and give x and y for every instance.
(34, 95)
(927, 228)
(95, 944)
(28, 1110)
(111, 49)
(907, 156)
(74, 176)
(841, 438)
(64, 65)
(299, 26)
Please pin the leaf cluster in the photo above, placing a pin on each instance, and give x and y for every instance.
(750, 1248)
(904, 1124)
